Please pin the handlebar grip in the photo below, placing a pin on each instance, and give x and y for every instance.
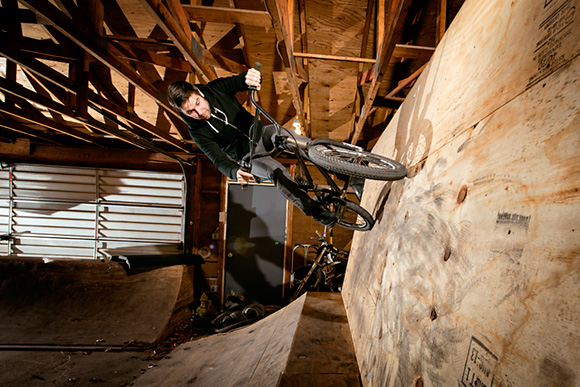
(257, 66)
(245, 186)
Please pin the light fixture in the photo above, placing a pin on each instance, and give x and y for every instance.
(297, 126)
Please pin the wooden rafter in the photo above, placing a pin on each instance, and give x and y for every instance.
(98, 48)
(26, 130)
(183, 41)
(392, 34)
(281, 24)
(39, 119)
(227, 15)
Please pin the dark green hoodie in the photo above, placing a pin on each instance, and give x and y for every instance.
(225, 133)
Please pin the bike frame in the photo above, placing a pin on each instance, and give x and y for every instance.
(294, 145)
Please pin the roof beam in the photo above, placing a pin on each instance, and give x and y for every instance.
(391, 35)
(41, 120)
(278, 9)
(182, 40)
(227, 15)
(34, 65)
(96, 46)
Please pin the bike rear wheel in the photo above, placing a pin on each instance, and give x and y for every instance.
(351, 215)
(354, 161)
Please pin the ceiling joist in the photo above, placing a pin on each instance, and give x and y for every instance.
(278, 9)
(389, 38)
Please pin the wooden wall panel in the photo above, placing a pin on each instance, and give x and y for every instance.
(472, 270)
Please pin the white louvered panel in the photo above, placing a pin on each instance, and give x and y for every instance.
(31, 230)
(126, 226)
(80, 213)
(53, 210)
(4, 183)
(53, 183)
(4, 224)
(54, 248)
(138, 187)
(144, 214)
(139, 236)
(4, 216)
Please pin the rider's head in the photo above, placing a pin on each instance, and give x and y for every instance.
(189, 100)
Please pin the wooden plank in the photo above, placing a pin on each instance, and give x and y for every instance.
(254, 355)
(336, 29)
(333, 57)
(413, 52)
(39, 119)
(180, 38)
(476, 252)
(89, 157)
(391, 36)
(79, 34)
(227, 15)
(36, 66)
(322, 349)
(281, 25)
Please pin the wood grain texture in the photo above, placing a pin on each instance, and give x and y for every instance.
(255, 355)
(473, 266)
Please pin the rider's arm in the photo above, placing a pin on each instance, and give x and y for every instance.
(218, 157)
(236, 83)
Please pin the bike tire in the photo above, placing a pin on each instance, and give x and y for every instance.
(354, 161)
(352, 216)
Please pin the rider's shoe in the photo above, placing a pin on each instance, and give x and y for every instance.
(325, 218)
(357, 185)
(302, 182)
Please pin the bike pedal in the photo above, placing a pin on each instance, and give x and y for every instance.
(302, 182)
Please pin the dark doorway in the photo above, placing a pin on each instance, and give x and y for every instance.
(255, 240)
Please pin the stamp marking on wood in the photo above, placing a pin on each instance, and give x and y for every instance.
(479, 365)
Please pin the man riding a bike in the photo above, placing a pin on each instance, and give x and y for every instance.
(220, 127)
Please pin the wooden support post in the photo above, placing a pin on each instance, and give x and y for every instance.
(441, 20)
(392, 34)
(286, 42)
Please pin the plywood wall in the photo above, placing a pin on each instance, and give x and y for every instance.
(472, 272)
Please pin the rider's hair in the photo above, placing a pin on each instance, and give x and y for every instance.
(179, 92)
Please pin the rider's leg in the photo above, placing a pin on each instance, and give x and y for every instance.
(269, 168)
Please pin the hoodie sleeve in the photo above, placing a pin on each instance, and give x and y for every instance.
(217, 156)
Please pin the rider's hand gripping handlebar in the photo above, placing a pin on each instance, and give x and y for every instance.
(247, 166)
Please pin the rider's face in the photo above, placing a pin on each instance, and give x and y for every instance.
(196, 107)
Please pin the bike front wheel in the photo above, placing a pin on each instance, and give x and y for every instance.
(353, 160)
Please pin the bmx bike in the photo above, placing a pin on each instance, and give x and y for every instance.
(345, 161)
(325, 273)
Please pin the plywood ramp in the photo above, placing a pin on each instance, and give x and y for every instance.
(72, 303)
(306, 343)
(471, 275)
